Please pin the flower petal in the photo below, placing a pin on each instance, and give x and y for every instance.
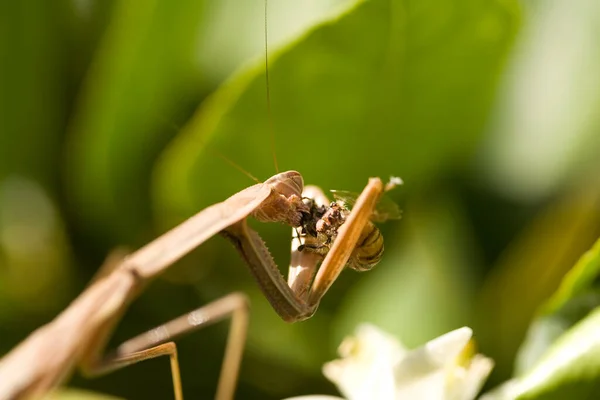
(468, 381)
(434, 355)
(441, 370)
(365, 370)
(374, 365)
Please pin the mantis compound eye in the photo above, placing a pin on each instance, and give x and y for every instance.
(287, 183)
(285, 201)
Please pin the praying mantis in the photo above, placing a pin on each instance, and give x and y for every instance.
(80, 333)
(326, 237)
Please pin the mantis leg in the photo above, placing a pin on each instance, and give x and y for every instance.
(347, 238)
(298, 302)
(111, 263)
(159, 342)
(303, 264)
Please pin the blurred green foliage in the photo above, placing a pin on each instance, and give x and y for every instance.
(113, 116)
(568, 366)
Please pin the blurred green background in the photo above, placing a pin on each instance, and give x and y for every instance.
(113, 113)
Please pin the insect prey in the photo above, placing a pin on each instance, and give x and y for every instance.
(320, 226)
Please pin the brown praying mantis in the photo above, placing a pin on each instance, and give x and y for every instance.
(79, 334)
(326, 238)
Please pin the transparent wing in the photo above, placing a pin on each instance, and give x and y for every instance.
(386, 207)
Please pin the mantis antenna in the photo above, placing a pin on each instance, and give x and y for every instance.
(217, 153)
(268, 88)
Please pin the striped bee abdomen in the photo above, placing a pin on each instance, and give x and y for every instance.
(368, 250)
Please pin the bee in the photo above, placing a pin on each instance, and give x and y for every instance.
(320, 226)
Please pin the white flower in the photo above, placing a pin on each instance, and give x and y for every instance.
(376, 366)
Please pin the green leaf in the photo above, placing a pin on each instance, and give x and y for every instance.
(573, 300)
(223, 49)
(570, 368)
(559, 355)
(577, 281)
(382, 88)
(530, 271)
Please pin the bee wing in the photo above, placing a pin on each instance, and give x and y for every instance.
(348, 199)
(386, 207)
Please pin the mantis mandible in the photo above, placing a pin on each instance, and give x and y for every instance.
(79, 334)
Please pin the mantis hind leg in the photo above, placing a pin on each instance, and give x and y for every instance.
(159, 342)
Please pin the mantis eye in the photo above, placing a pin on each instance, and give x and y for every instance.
(287, 183)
